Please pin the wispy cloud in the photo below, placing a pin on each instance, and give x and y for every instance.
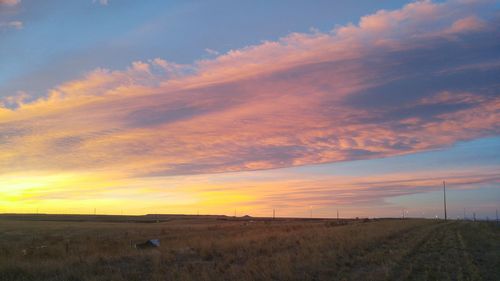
(376, 89)
(12, 24)
(101, 2)
(10, 7)
(211, 52)
(10, 2)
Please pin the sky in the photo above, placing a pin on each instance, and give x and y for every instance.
(223, 107)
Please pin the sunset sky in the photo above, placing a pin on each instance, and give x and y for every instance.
(140, 107)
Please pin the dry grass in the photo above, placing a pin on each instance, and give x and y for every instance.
(214, 249)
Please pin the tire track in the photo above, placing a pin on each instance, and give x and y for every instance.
(378, 262)
(441, 255)
(466, 257)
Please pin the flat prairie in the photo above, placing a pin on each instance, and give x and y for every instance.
(70, 247)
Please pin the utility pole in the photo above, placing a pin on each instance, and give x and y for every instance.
(444, 200)
(403, 213)
(274, 214)
(474, 216)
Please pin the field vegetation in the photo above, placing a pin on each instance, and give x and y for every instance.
(220, 248)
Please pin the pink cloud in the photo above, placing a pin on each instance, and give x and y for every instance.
(467, 24)
(375, 89)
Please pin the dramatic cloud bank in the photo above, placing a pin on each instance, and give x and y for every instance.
(414, 79)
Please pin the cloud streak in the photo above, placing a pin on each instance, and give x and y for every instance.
(10, 2)
(398, 82)
(101, 2)
(12, 24)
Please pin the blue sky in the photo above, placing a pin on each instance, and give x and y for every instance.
(365, 106)
(61, 40)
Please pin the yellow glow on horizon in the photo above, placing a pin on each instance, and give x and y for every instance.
(81, 193)
(26, 186)
(254, 193)
(52, 191)
(226, 197)
(73, 192)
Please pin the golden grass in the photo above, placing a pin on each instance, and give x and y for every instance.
(214, 249)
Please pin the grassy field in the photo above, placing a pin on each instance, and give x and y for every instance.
(220, 248)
